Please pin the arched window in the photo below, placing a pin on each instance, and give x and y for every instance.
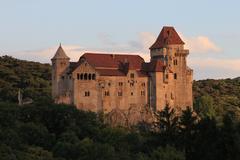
(78, 76)
(85, 76)
(89, 76)
(81, 76)
(93, 76)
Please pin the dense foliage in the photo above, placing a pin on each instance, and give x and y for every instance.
(217, 97)
(60, 132)
(32, 78)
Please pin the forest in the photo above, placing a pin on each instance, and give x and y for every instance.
(47, 131)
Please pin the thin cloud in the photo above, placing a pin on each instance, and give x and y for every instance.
(200, 44)
(214, 67)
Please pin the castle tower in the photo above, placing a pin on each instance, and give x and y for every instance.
(169, 49)
(60, 63)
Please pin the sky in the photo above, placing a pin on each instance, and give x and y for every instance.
(32, 30)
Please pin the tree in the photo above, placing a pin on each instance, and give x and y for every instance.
(204, 106)
(167, 153)
(167, 121)
(188, 122)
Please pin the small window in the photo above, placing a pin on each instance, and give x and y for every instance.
(120, 93)
(172, 97)
(132, 84)
(63, 77)
(166, 76)
(175, 75)
(143, 84)
(142, 93)
(87, 93)
(131, 93)
(78, 76)
(109, 84)
(89, 76)
(93, 76)
(70, 77)
(107, 93)
(175, 62)
(81, 76)
(120, 83)
(85, 76)
(132, 75)
(168, 33)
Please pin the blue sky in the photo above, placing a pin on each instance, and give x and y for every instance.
(211, 29)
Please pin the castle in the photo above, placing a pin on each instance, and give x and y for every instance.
(113, 83)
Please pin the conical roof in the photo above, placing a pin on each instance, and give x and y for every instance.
(60, 54)
(168, 36)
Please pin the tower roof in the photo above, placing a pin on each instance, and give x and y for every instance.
(60, 54)
(168, 36)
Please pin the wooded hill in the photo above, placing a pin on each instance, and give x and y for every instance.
(61, 132)
(34, 79)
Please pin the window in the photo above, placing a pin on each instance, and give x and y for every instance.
(168, 33)
(120, 83)
(175, 75)
(131, 93)
(109, 84)
(175, 62)
(142, 93)
(132, 75)
(81, 76)
(166, 76)
(120, 93)
(85, 76)
(87, 93)
(107, 93)
(93, 76)
(143, 84)
(89, 76)
(78, 76)
(172, 97)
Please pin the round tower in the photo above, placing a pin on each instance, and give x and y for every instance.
(60, 64)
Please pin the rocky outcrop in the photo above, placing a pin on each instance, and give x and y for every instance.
(130, 117)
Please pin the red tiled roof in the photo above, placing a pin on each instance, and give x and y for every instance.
(168, 36)
(110, 72)
(98, 60)
(154, 66)
(112, 64)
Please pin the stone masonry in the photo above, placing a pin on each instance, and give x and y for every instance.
(125, 87)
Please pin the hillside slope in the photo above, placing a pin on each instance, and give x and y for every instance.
(31, 77)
